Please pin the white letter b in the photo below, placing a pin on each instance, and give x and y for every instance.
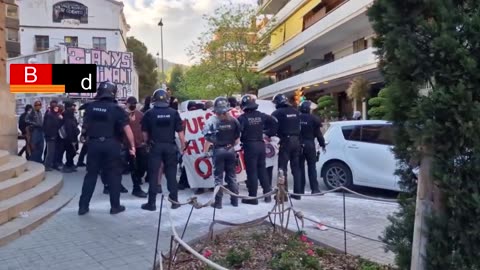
(32, 74)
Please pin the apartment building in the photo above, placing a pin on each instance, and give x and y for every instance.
(12, 38)
(320, 46)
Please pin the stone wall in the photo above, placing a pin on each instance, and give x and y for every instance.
(8, 122)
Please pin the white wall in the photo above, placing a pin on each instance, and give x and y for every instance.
(104, 20)
(56, 36)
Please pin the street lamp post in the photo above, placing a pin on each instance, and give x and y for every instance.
(161, 41)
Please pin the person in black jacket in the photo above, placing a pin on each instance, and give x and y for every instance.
(34, 121)
(60, 142)
(288, 119)
(70, 141)
(310, 130)
(146, 104)
(22, 125)
(51, 124)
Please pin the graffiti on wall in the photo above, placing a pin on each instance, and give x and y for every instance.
(112, 66)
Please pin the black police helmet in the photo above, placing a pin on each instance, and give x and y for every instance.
(221, 105)
(305, 107)
(160, 98)
(106, 90)
(248, 103)
(280, 99)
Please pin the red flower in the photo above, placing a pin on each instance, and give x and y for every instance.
(310, 252)
(207, 253)
(310, 243)
(303, 238)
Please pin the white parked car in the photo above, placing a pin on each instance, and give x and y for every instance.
(359, 153)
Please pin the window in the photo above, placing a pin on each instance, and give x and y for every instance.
(12, 11)
(100, 43)
(351, 133)
(71, 41)
(12, 35)
(42, 43)
(329, 57)
(360, 45)
(380, 134)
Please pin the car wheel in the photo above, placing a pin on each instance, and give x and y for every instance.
(336, 174)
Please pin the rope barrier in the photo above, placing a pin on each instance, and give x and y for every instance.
(281, 197)
(190, 249)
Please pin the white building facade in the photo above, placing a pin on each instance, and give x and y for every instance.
(77, 32)
(319, 46)
(97, 24)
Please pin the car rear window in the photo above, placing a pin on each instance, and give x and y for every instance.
(352, 133)
(378, 134)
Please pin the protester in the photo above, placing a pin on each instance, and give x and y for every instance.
(173, 100)
(35, 121)
(70, 125)
(357, 115)
(23, 126)
(137, 162)
(233, 102)
(51, 125)
(60, 143)
(146, 104)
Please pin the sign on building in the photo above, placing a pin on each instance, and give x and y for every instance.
(70, 10)
(112, 66)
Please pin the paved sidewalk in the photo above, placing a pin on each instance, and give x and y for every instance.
(126, 241)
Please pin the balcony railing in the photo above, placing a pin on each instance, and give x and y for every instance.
(346, 66)
(328, 23)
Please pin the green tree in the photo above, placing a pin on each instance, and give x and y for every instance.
(230, 45)
(175, 77)
(200, 83)
(145, 66)
(434, 41)
(378, 105)
(327, 108)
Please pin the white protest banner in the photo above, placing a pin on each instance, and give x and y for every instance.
(200, 169)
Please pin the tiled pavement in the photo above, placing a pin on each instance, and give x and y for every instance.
(126, 241)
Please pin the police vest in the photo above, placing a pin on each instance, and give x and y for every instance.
(226, 132)
(100, 119)
(253, 125)
(161, 123)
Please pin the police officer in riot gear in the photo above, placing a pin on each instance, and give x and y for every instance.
(222, 131)
(159, 125)
(288, 119)
(253, 124)
(103, 118)
(310, 130)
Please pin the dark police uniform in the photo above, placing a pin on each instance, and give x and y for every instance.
(223, 133)
(161, 123)
(253, 124)
(310, 130)
(102, 119)
(289, 133)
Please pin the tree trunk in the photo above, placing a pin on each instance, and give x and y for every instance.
(424, 205)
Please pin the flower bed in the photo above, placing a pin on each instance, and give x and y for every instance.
(262, 248)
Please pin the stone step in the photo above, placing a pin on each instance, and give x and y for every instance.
(4, 157)
(25, 224)
(12, 207)
(14, 167)
(31, 177)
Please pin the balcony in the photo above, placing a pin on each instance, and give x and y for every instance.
(271, 6)
(343, 15)
(360, 62)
